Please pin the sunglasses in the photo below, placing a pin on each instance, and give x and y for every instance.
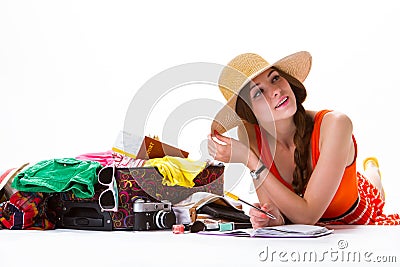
(108, 199)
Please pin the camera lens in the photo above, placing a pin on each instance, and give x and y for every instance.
(165, 219)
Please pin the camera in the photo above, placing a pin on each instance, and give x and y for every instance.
(153, 215)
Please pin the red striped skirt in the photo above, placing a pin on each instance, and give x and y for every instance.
(369, 207)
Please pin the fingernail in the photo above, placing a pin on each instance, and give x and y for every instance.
(215, 132)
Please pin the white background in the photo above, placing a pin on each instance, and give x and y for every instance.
(69, 69)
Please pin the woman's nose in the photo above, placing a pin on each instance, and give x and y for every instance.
(275, 92)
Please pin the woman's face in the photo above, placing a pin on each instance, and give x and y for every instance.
(271, 97)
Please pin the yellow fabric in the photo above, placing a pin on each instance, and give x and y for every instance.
(176, 170)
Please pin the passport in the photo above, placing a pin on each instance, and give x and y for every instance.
(153, 148)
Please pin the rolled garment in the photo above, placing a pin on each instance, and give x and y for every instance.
(177, 170)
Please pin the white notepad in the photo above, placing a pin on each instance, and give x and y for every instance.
(290, 230)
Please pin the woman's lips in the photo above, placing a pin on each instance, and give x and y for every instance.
(282, 102)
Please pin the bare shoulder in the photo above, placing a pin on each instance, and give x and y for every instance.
(336, 135)
(336, 131)
(337, 119)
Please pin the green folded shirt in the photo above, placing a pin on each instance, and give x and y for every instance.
(59, 175)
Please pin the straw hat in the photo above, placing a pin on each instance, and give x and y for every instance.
(246, 67)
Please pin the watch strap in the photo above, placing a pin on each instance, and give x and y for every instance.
(256, 173)
(260, 169)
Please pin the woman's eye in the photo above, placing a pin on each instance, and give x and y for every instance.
(275, 78)
(257, 93)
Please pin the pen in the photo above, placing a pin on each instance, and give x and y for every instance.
(247, 203)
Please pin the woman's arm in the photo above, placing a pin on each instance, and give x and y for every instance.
(336, 152)
(245, 147)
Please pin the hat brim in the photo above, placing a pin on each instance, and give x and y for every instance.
(296, 65)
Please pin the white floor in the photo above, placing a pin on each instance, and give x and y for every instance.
(346, 246)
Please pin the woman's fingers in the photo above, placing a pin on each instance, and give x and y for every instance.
(223, 140)
(219, 147)
(258, 222)
(227, 149)
(211, 147)
(257, 214)
(259, 219)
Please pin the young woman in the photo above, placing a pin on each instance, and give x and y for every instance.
(303, 162)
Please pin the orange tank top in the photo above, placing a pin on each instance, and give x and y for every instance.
(346, 195)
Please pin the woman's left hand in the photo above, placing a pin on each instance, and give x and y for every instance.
(228, 149)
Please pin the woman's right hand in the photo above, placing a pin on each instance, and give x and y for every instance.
(259, 219)
(229, 150)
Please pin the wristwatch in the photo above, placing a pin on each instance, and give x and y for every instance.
(256, 173)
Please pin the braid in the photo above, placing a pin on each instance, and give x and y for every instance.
(302, 172)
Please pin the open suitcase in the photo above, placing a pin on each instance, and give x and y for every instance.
(141, 183)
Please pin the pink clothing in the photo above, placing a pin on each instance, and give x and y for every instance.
(104, 158)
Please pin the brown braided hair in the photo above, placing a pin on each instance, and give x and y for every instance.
(304, 126)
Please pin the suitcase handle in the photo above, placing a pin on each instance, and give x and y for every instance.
(83, 221)
(85, 216)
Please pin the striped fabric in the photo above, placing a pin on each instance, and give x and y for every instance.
(369, 209)
(27, 210)
(122, 161)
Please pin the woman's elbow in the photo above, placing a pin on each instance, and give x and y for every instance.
(309, 220)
